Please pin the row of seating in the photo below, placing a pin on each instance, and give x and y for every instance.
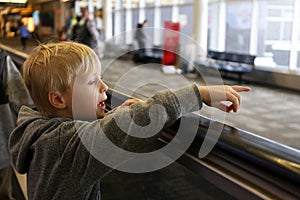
(228, 62)
(153, 55)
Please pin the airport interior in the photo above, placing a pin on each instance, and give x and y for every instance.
(250, 154)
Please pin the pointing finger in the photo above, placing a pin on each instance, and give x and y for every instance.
(239, 88)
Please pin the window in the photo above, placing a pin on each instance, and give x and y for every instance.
(275, 30)
(213, 27)
(279, 27)
(118, 16)
(186, 21)
(150, 23)
(238, 24)
(166, 14)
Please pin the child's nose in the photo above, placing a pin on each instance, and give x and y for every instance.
(103, 87)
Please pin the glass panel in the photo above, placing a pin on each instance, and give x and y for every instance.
(186, 21)
(287, 13)
(274, 13)
(150, 23)
(238, 22)
(150, 3)
(281, 57)
(287, 31)
(273, 31)
(150, 17)
(261, 29)
(123, 25)
(135, 18)
(166, 14)
(212, 35)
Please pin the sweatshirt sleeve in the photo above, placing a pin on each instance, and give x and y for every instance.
(133, 127)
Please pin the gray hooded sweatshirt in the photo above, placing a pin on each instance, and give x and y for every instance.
(66, 159)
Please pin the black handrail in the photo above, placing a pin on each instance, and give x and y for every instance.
(17, 56)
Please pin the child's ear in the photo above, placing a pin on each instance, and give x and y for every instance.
(56, 100)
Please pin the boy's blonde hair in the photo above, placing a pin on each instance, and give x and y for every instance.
(53, 67)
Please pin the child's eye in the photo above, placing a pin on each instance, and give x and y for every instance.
(92, 82)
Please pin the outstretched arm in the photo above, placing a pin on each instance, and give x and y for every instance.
(215, 96)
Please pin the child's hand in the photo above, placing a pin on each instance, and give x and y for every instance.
(128, 102)
(216, 95)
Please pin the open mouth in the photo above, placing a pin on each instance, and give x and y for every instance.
(102, 105)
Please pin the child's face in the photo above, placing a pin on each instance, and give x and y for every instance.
(89, 96)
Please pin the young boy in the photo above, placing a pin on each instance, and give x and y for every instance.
(65, 84)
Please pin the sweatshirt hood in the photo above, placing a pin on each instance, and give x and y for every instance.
(31, 126)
